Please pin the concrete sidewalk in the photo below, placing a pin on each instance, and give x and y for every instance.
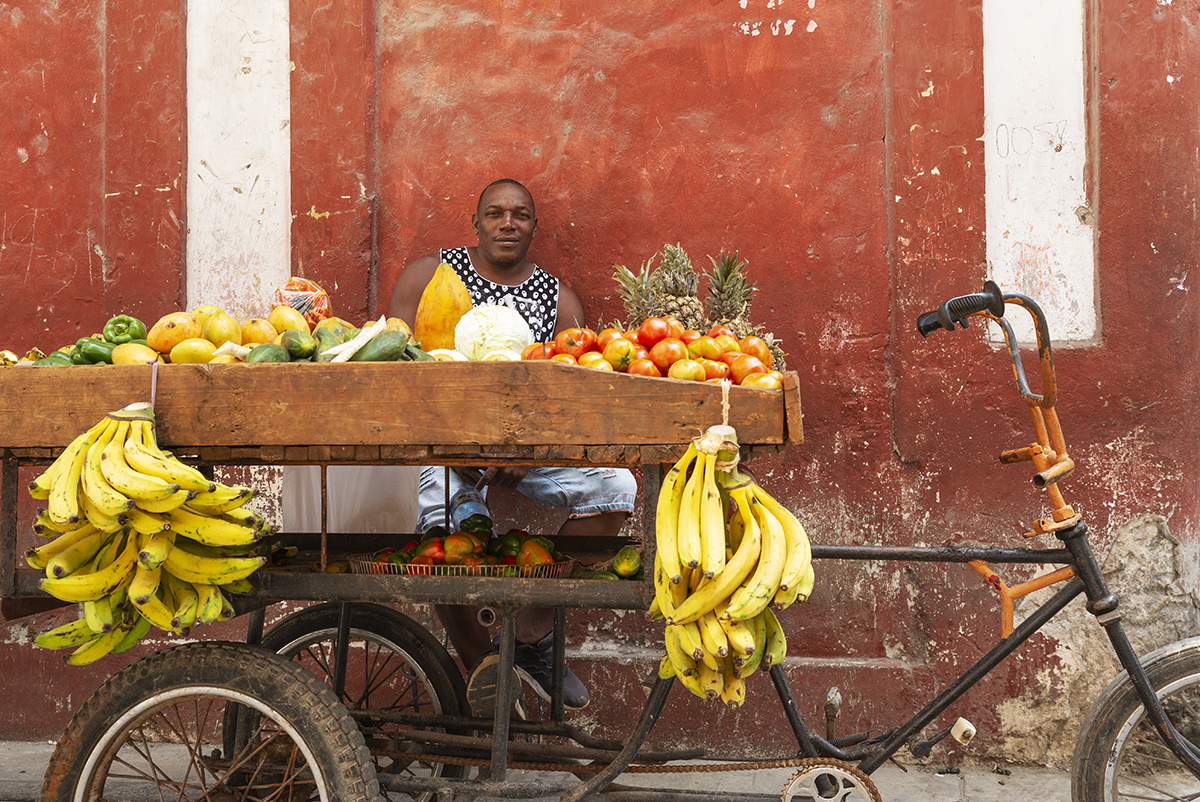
(22, 766)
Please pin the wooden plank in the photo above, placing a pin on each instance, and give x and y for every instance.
(440, 404)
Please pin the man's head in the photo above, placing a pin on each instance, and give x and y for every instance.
(505, 221)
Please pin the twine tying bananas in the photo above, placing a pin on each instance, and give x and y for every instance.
(728, 556)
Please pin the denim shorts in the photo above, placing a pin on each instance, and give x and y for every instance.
(583, 492)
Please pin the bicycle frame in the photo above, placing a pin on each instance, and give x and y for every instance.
(1081, 573)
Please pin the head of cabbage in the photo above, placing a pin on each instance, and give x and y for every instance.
(489, 328)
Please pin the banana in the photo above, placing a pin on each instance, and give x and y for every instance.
(740, 634)
(688, 533)
(666, 519)
(666, 669)
(141, 487)
(139, 627)
(804, 587)
(688, 637)
(227, 611)
(77, 555)
(736, 569)
(72, 633)
(38, 557)
(80, 587)
(221, 500)
(99, 646)
(144, 584)
(155, 611)
(684, 663)
(799, 552)
(211, 531)
(712, 521)
(711, 680)
(240, 516)
(209, 603)
(242, 587)
(745, 666)
(143, 455)
(63, 501)
(147, 523)
(167, 504)
(776, 647)
(40, 487)
(785, 597)
(712, 636)
(98, 519)
(42, 525)
(733, 692)
(187, 602)
(153, 548)
(107, 499)
(99, 615)
(209, 570)
(749, 600)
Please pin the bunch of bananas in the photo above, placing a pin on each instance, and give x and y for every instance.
(728, 556)
(139, 538)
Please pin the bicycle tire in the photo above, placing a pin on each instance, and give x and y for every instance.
(423, 676)
(1119, 756)
(148, 730)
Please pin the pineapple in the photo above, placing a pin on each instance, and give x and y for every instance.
(677, 281)
(729, 294)
(638, 293)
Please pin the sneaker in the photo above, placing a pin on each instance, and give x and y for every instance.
(534, 663)
(481, 687)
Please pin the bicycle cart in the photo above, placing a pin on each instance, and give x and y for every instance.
(350, 698)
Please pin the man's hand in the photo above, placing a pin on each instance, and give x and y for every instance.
(499, 476)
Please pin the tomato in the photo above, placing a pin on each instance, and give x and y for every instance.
(607, 336)
(644, 367)
(714, 369)
(457, 546)
(652, 331)
(640, 351)
(689, 336)
(727, 342)
(538, 351)
(619, 353)
(566, 359)
(745, 365)
(674, 327)
(572, 341)
(757, 346)
(632, 336)
(763, 381)
(729, 356)
(717, 331)
(704, 347)
(667, 352)
(687, 369)
(533, 553)
(594, 359)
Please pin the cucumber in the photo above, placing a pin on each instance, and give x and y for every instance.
(264, 353)
(299, 344)
(386, 346)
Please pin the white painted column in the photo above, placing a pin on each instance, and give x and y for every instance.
(238, 154)
(1039, 220)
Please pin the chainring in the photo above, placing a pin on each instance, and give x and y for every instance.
(821, 779)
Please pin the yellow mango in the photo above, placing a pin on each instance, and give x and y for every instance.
(443, 302)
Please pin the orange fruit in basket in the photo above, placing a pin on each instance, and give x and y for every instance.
(221, 328)
(193, 351)
(283, 318)
(257, 330)
(172, 329)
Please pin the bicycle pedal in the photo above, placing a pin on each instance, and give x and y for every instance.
(963, 731)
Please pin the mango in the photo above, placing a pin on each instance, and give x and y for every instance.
(443, 302)
(172, 329)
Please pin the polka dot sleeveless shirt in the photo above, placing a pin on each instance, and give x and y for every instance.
(536, 298)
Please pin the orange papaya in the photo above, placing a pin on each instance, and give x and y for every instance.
(444, 300)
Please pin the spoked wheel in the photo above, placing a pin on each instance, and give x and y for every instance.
(1119, 756)
(154, 731)
(394, 664)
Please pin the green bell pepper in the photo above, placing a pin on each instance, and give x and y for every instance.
(122, 329)
(54, 359)
(95, 352)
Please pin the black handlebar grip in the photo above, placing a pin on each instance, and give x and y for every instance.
(957, 310)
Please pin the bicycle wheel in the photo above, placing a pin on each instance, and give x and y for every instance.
(154, 731)
(394, 664)
(1119, 756)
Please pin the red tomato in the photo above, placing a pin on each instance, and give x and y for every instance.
(571, 341)
(704, 347)
(589, 339)
(690, 335)
(729, 356)
(667, 352)
(640, 351)
(745, 365)
(674, 327)
(763, 381)
(757, 346)
(619, 353)
(538, 351)
(727, 342)
(607, 336)
(687, 369)
(714, 368)
(644, 367)
(566, 359)
(652, 331)
(632, 336)
(594, 359)
(717, 331)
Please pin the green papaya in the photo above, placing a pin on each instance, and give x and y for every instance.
(386, 346)
(267, 352)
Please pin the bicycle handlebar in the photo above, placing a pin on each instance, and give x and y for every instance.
(957, 310)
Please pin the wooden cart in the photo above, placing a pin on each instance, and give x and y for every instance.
(530, 413)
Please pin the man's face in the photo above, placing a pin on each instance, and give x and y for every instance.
(505, 224)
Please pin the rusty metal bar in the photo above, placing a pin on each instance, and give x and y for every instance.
(8, 525)
(482, 745)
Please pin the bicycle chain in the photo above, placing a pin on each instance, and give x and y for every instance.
(785, 763)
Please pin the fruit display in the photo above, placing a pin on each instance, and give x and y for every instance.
(728, 557)
(138, 538)
(440, 552)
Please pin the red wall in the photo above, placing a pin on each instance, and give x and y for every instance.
(811, 153)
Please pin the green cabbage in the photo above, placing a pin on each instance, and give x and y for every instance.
(489, 328)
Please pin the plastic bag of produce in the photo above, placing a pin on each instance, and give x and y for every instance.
(305, 296)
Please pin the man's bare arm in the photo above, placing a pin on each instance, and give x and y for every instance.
(570, 309)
